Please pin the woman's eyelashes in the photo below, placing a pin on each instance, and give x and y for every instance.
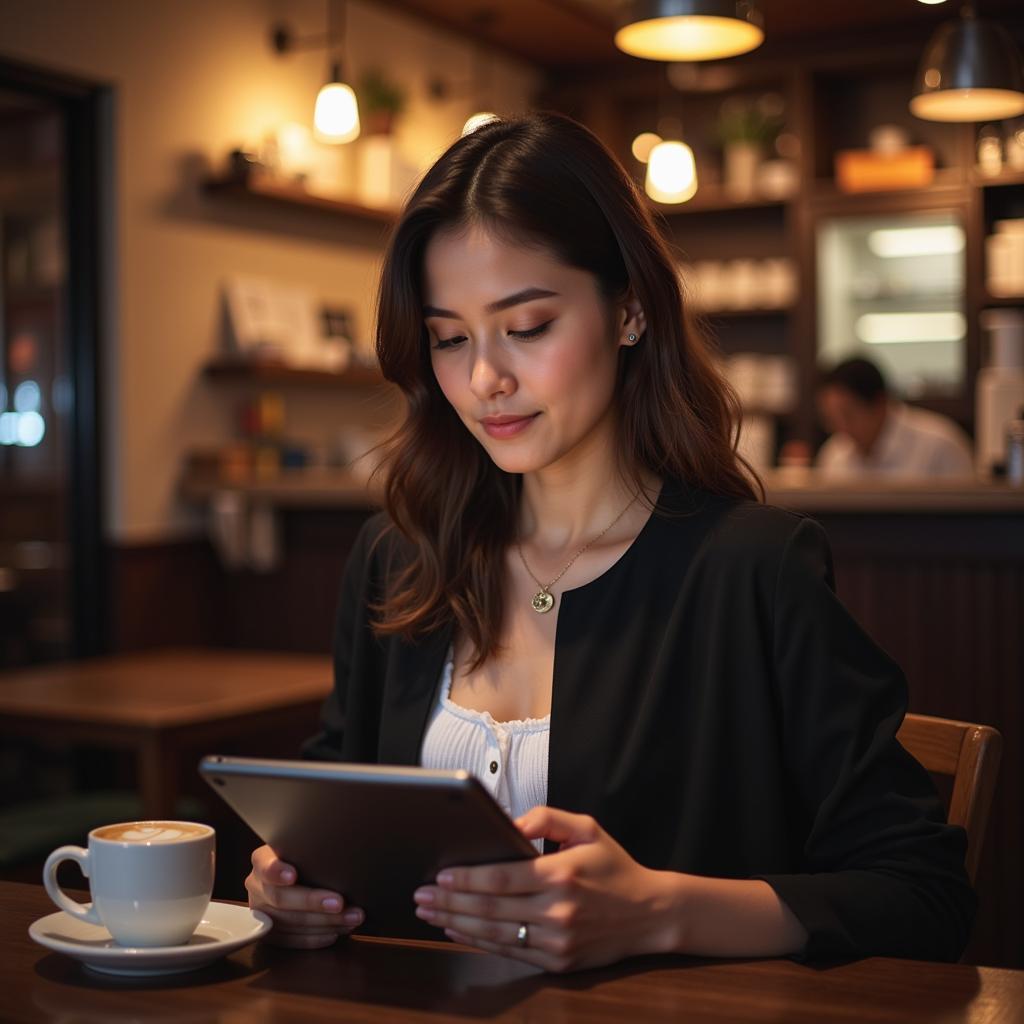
(534, 332)
(448, 342)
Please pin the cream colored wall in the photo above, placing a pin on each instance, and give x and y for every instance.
(192, 79)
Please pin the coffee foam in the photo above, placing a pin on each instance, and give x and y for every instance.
(152, 832)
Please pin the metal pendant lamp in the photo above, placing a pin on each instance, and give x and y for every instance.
(688, 29)
(971, 70)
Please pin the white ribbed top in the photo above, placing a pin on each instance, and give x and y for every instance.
(509, 758)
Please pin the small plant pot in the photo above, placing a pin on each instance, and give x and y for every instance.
(378, 122)
(741, 163)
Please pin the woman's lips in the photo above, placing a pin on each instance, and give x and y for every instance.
(511, 428)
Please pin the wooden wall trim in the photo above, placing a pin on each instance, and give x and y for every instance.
(164, 595)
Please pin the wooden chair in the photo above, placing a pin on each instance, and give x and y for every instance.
(970, 754)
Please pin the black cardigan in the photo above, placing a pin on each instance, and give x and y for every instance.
(719, 712)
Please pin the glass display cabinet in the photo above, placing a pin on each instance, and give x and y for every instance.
(891, 288)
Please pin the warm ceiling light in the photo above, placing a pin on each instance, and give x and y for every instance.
(910, 328)
(336, 113)
(643, 144)
(971, 71)
(688, 29)
(475, 121)
(896, 243)
(671, 173)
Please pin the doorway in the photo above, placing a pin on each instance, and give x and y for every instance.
(52, 587)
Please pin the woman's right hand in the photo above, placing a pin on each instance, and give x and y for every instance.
(303, 917)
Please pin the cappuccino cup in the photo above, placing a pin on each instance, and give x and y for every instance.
(150, 881)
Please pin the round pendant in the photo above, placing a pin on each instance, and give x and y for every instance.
(543, 602)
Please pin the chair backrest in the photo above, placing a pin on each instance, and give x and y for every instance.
(970, 754)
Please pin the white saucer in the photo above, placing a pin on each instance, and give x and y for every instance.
(224, 928)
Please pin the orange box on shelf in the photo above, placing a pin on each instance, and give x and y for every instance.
(864, 170)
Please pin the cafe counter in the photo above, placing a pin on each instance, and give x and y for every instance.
(799, 490)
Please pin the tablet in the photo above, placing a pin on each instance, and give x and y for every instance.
(374, 833)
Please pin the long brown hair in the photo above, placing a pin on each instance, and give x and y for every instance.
(540, 179)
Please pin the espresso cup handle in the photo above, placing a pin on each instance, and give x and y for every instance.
(54, 891)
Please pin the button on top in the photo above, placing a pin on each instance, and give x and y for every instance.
(494, 767)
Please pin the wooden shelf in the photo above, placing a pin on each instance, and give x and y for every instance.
(270, 193)
(1005, 178)
(1002, 300)
(225, 368)
(948, 181)
(744, 314)
(289, 488)
(715, 199)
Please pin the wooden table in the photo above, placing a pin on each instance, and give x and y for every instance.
(381, 980)
(161, 704)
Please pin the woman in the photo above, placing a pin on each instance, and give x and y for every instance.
(575, 594)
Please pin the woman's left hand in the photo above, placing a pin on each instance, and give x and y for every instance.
(587, 905)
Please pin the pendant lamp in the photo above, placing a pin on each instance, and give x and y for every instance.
(336, 112)
(482, 79)
(671, 173)
(971, 70)
(688, 29)
(477, 120)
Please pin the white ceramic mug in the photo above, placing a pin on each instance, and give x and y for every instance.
(150, 881)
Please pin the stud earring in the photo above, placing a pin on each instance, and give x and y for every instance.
(632, 337)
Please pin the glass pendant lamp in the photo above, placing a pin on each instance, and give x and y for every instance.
(336, 114)
(671, 173)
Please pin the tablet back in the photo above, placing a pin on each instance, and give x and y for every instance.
(374, 833)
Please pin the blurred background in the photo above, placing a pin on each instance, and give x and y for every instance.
(194, 201)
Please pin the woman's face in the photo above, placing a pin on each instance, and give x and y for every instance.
(547, 355)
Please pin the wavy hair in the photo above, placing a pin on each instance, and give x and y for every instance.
(542, 179)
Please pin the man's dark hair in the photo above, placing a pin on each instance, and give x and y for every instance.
(858, 376)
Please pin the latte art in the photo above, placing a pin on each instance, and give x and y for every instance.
(152, 832)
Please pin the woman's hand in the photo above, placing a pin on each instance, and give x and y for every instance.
(587, 905)
(303, 917)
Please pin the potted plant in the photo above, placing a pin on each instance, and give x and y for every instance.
(745, 128)
(380, 101)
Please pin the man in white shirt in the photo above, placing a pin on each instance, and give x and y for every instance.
(873, 433)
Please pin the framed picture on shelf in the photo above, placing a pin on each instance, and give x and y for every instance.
(268, 318)
(336, 334)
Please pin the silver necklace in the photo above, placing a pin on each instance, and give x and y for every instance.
(543, 601)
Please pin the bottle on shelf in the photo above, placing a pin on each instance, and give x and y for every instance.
(1015, 450)
(999, 390)
(1004, 259)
